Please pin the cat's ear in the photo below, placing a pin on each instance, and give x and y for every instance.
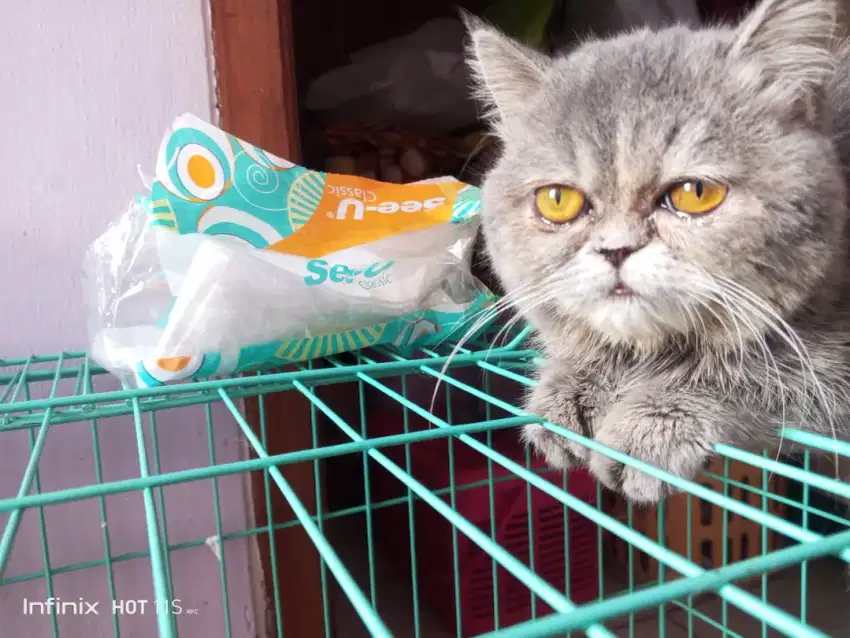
(504, 71)
(791, 43)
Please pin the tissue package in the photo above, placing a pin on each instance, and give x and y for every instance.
(238, 260)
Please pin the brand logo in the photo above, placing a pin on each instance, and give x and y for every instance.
(356, 206)
(367, 278)
(79, 607)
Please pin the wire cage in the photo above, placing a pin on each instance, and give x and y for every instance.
(453, 529)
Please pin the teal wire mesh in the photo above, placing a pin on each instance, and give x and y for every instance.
(136, 500)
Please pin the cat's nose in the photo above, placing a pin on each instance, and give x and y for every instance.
(617, 255)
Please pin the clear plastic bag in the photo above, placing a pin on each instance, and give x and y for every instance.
(418, 80)
(240, 260)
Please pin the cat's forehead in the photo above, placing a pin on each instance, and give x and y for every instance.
(674, 65)
(641, 104)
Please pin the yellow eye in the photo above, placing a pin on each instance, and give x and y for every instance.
(695, 197)
(559, 204)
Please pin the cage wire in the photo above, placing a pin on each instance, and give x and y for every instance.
(480, 537)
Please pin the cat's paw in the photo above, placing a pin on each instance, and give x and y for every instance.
(559, 452)
(668, 436)
(568, 405)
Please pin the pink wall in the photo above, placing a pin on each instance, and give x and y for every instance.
(88, 88)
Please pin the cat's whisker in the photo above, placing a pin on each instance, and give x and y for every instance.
(767, 356)
(705, 301)
(769, 316)
(782, 396)
(724, 302)
(507, 302)
(529, 304)
(757, 337)
(543, 292)
(498, 305)
(781, 327)
(716, 295)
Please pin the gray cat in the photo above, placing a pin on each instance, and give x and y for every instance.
(669, 212)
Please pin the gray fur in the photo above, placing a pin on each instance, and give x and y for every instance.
(741, 322)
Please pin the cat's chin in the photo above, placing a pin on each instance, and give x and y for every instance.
(625, 317)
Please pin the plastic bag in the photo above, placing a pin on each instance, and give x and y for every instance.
(240, 260)
(657, 14)
(603, 18)
(419, 80)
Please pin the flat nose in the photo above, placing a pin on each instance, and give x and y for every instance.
(617, 255)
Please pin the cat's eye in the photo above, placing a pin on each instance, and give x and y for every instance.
(559, 204)
(694, 197)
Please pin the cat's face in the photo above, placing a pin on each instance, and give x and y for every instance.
(652, 182)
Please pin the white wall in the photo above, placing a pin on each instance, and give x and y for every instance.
(87, 90)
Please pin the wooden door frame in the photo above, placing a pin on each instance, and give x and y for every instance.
(257, 101)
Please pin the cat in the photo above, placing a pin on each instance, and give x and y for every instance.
(669, 213)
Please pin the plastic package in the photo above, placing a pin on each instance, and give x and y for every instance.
(239, 260)
(608, 17)
(657, 14)
(418, 80)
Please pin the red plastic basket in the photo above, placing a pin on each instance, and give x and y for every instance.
(511, 501)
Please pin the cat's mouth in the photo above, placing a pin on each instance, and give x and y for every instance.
(621, 290)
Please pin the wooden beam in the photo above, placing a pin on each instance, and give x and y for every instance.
(255, 72)
(257, 101)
